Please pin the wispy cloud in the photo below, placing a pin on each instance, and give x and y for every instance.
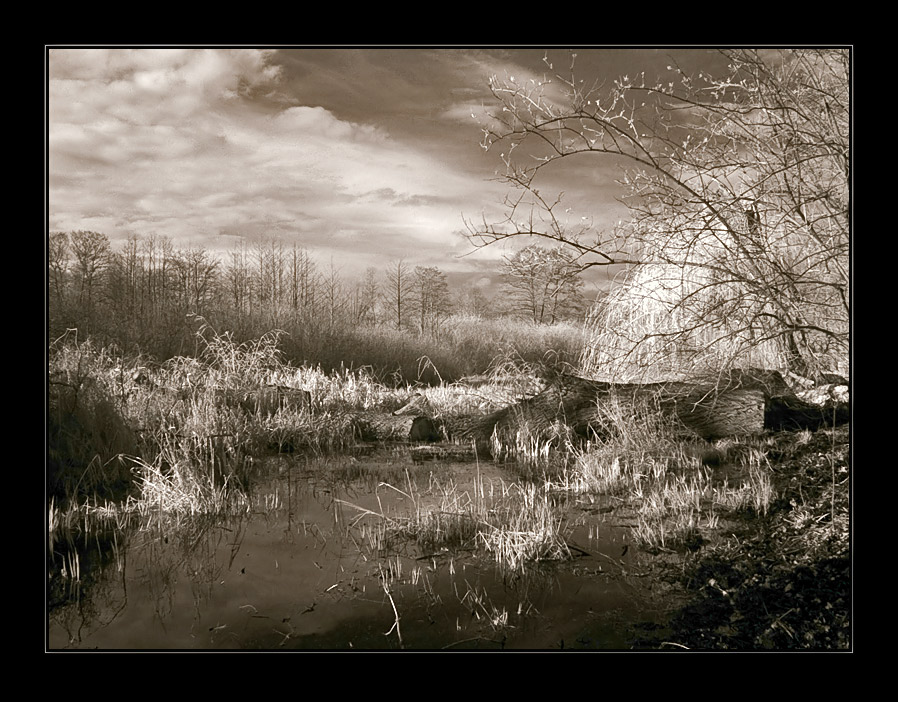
(193, 144)
(357, 155)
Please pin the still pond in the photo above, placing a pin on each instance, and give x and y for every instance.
(314, 563)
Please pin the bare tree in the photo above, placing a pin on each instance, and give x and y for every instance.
(197, 278)
(543, 284)
(238, 279)
(334, 296)
(365, 299)
(397, 290)
(304, 281)
(472, 301)
(270, 274)
(58, 263)
(91, 252)
(430, 297)
(738, 187)
(124, 278)
(158, 257)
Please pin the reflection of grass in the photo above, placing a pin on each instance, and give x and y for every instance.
(181, 491)
(478, 602)
(516, 524)
(678, 499)
(526, 527)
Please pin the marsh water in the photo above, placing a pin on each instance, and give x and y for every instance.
(319, 562)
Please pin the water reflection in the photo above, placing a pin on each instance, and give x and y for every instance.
(307, 569)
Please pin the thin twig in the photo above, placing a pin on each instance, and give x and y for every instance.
(396, 613)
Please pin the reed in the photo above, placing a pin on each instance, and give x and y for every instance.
(535, 452)
(463, 345)
(481, 607)
(525, 529)
(678, 487)
(183, 490)
(194, 436)
(755, 492)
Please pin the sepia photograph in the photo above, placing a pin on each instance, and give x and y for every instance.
(448, 348)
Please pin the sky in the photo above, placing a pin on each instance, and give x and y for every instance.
(362, 156)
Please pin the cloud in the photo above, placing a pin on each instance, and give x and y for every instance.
(317, 122)
(151, 86)
(183, 143)
(206, 145)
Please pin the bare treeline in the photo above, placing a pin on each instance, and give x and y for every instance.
(143, 289)
(148, 292)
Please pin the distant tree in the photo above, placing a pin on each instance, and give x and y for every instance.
(365, 299)
(238, 279)
(270, 274)
(158, 256)
(91, 252)
(58, 264)
(334, 295)
(197, 277)
(396, 291)
(304, 282)
(124, 279)
(543, 284)
(430, 297)
(472, 301)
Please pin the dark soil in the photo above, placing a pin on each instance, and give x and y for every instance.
(780, 581)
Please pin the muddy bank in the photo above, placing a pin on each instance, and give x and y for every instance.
(778, 581)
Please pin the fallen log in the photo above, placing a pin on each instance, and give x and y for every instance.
(737, 402)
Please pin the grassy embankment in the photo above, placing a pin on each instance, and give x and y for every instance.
(172, 437)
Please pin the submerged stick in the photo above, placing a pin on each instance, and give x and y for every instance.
(396, 614)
